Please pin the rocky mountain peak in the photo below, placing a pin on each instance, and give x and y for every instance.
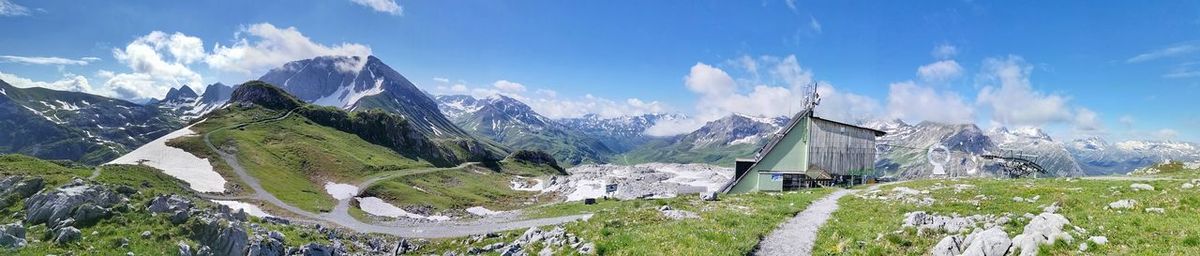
(266, 95)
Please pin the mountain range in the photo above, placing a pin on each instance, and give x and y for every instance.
(92, 129)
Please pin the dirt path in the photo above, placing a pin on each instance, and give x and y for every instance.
(341, 213)
(798, 235)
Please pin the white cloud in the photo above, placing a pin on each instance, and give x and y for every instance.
(674, 127)
(1087, 120)
(709, 80)
(912, 102)
(814, 25)
(1172, 51)
(159, 61)
(1184, 70)
(1008, 94)
(34, 60)
(1166, 134)
(508, 86)
(845, 106)
(548, 103)
(268, 46)
(791, 4)
(944, 51)
(69, 82)
(441, 80)
(8, 8)
(1127, 121)
(384, 6)
(940, 71)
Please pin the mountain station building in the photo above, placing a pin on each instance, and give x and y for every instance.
(809, 152)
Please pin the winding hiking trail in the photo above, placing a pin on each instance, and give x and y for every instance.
(799, 234)
(340, 215)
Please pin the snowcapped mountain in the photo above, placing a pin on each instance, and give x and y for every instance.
(1099, 157)
(1050, 154)
(903, 152)
(357, 83)
(514, 124)
(718, 142)
(187, 105)
(76, 126)
(621, 133)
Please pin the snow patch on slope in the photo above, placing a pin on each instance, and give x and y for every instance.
(377, 207)
(197, 172)
(341, 191)
(251, 209)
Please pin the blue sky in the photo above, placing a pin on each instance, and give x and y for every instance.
(1077, 69)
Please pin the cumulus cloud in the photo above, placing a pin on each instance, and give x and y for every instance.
(69, 82)
(508, 86)
(158, 61)
(1010, 97)
(1172, 51)
(8, 8)
(384, 6)
(944, 51)
(940, 71)
(780, 94)
(36, 60)
(909, 101)
(1087, 120)
(263, 46)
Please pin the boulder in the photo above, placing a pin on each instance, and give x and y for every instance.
(1141, 186)
(315, 249)
(184, 249)
(67, 235)
(1100, 240)
(88, 214)
(1046, 228)
(1187, 186)
(146, 234)
(221, 236)
(1122, 204)
(12, 235)
(14, 188)
(54, 206)
(991, 242)
(1156, 210)
(179, 217)
(169, 203)
(948, 246)
(266, 247)
(709, 196)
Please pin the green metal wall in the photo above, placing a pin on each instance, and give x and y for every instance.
(790, 155)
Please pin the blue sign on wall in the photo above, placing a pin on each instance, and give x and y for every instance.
(776, 177)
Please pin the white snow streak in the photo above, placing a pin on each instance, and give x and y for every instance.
(197, 172)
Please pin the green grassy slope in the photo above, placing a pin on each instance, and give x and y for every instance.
(868, 224)
(484, 185)
(103, 237)
(293, 157)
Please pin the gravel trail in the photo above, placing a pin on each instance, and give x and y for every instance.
(341, 215)
(798, 235)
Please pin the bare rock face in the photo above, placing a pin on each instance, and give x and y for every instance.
(165, 203)
(66, 202)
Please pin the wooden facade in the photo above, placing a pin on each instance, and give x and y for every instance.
(810, 151)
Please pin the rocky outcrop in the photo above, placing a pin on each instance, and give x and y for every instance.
(550, 240)
(69, 201)
(12, 235)
(222, 236)
(178, 207)
(15, 188)
(66, 235)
